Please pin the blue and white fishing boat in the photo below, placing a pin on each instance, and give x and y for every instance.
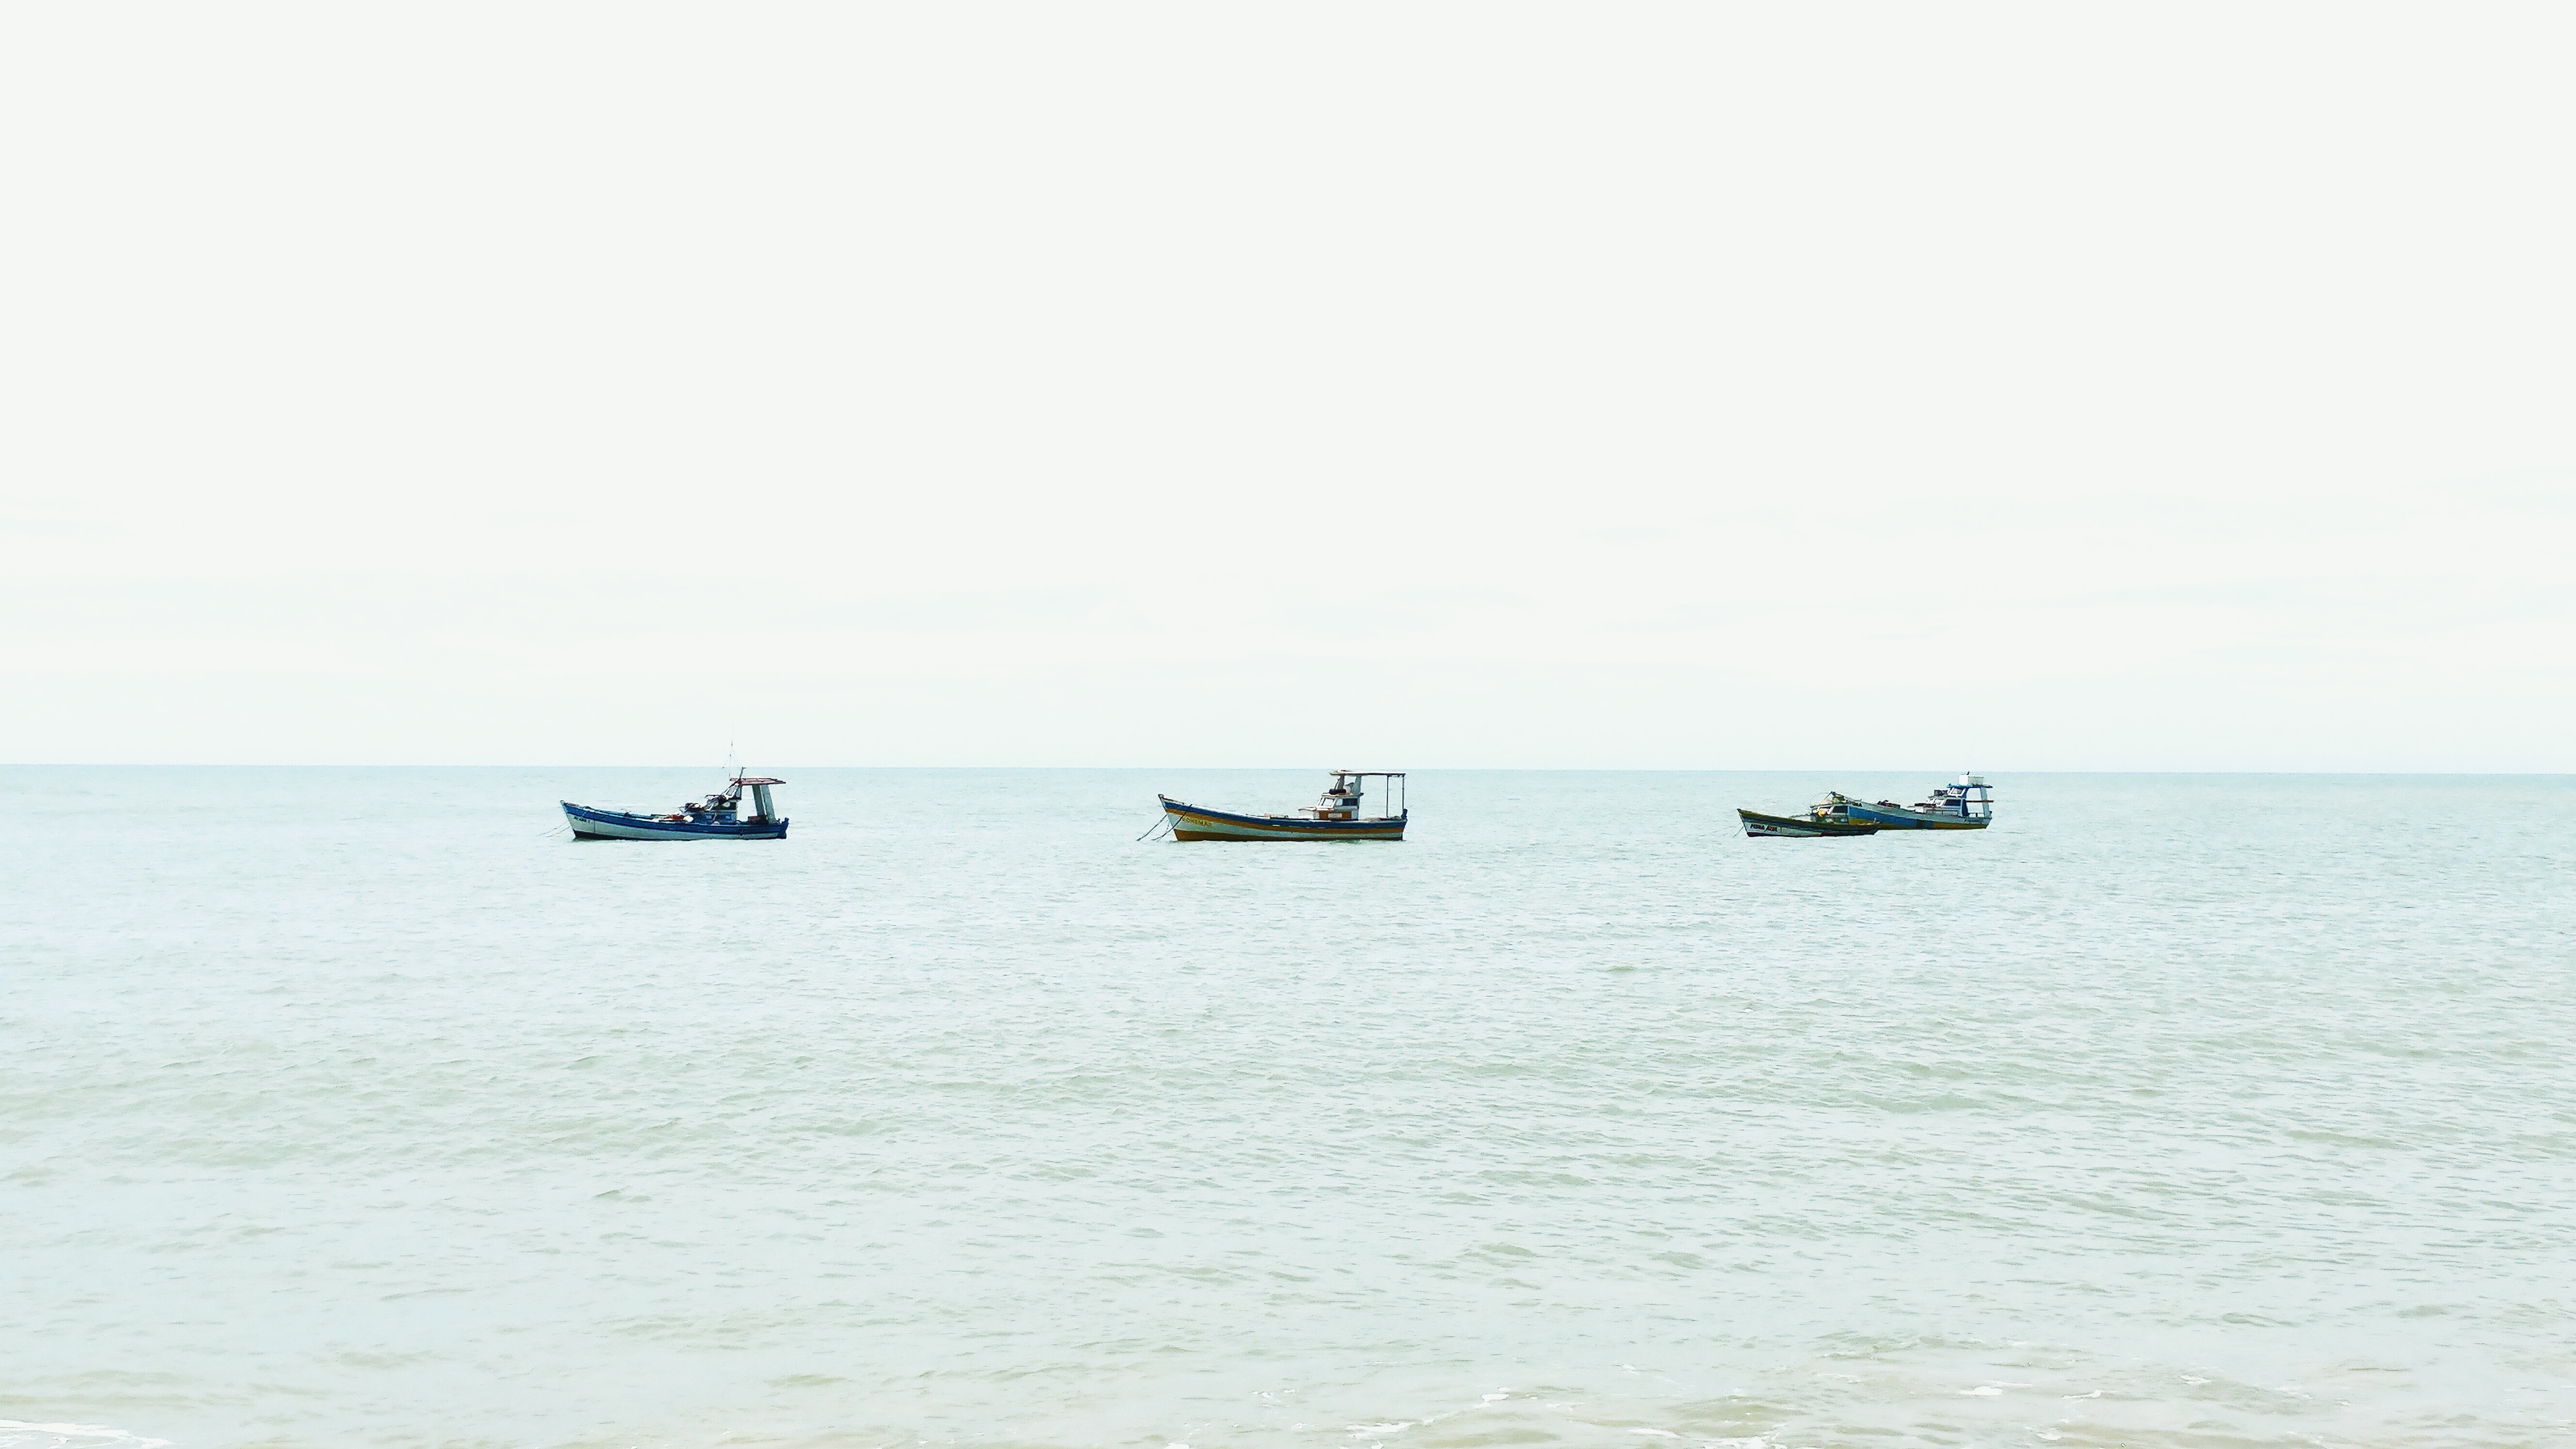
(1967, 805)
(718, 817)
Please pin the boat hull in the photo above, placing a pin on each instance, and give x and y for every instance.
(1194, 822)
(590, 823)
(1797, 827)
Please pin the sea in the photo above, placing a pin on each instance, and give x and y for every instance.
(363, 1107)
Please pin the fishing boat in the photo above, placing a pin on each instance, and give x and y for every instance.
(1816, 822)
(717, 817)
(1967, 805)
(1335, 817)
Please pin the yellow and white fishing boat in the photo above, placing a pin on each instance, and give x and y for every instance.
(1335, 817)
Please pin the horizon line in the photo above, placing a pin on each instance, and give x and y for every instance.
(1315, 769)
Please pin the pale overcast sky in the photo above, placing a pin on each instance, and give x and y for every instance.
(2006, 387)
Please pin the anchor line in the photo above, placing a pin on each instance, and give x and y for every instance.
(1163, 824)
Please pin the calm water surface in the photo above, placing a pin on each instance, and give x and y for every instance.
(358, 1107)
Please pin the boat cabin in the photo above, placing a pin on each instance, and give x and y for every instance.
(1342, 797)
(724, 807)
(1970, 799)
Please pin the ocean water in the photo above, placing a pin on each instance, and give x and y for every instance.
(360, 1107)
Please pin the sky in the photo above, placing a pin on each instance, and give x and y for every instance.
(1391, 386)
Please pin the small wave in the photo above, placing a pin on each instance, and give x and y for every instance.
(16, 1434)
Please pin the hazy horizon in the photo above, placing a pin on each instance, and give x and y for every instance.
(1931, 774)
